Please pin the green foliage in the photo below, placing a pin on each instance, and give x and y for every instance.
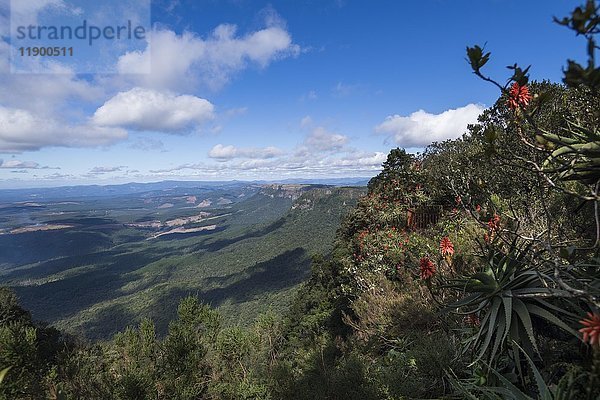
(584, 21)
(507, 295)
(28, 349)
(575, 384)
(523, 292)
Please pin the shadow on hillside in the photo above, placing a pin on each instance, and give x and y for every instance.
(283, 271)
(31, 247)
(62, 298)
(107, 323)
(119, 261)
(222, 243)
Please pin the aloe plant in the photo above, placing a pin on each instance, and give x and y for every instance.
(507, 295)
(569, 386)
(577, 154)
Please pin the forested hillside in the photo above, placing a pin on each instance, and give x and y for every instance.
(121, 259)
(470, 271)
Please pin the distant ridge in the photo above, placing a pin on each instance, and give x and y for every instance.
(78, 191)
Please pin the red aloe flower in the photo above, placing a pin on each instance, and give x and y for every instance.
(494, 223)
(446, 247)
(427, 268)
(518, 95)
(591, 329)
(472, 319)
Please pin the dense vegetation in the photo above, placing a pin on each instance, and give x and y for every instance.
(471, 271)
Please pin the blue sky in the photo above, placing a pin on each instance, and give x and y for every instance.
(250, 89)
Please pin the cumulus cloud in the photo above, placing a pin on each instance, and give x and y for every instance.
(323, 140)
(17, 164)
(26, 12)
(178, 61)
(30, 104)
(45, 92)
(223, 153)
(28, 7)
(322, 153)
(320, 139)
(57, 175)
(421, 128)
(21, 130)
(353, 163)
(106, 170)
(151, 110)
(361, 159)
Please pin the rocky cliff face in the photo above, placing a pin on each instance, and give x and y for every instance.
(305, 197)
(287, 191)
(328, 198)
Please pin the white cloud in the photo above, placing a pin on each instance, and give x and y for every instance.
(223, 152)
(50, 109)
(145, 109)
(48, 92)
(421, 128)
(362, 159)
(182, 61)
(105, 170)
(230, 152)
(21, 130)
(353, 163)
(26, 12)
(45, 92)
(10, 164)
(322, 153)
(321, 139)
(20, 7)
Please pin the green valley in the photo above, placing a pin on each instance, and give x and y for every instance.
(94, 265)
